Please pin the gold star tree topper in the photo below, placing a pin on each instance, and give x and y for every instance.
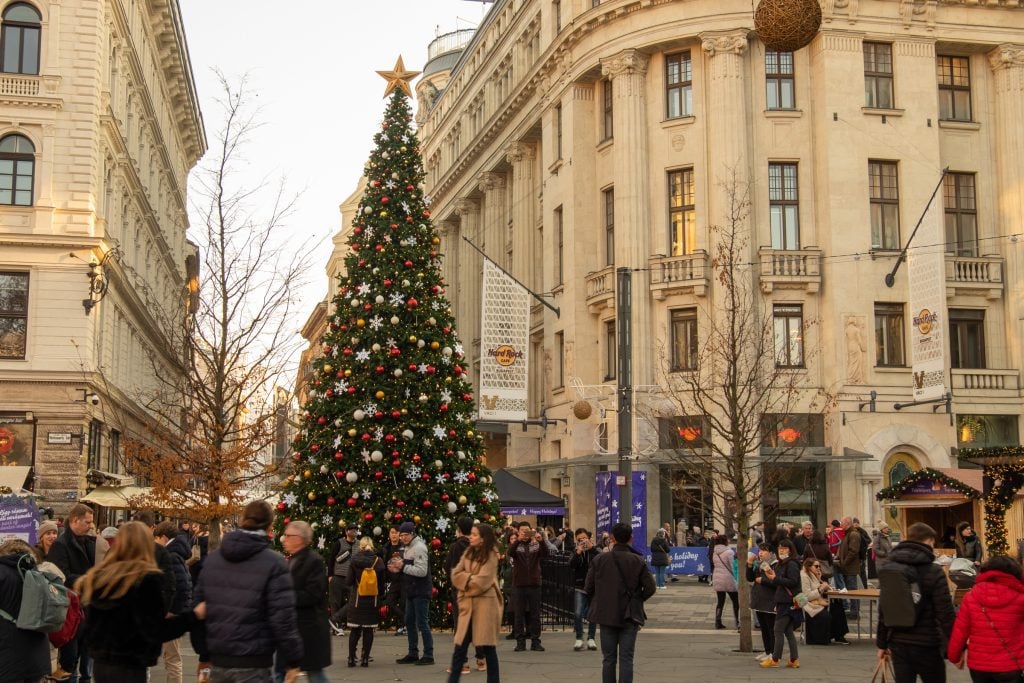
(398, 77)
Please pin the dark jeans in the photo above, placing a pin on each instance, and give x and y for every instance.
(338, 594)
(766, 620)
(989, 677)
(618, 644)
(581, 605)
(220, 674)
(527, 599)
(106, 672)
(489, 652)
(735, 598)
(417, 612)
(911, 661)
(395, 600)
(851, 582)
(784, 626)
(74, 658)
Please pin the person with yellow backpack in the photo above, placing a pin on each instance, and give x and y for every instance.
(366, 581)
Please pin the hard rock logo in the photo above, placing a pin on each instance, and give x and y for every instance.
(925, 320)
(505, 355)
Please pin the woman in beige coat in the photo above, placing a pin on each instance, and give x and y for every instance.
(475, 578)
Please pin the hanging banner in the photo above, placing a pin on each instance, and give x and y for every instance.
(606, 507)
(926, 268)
(504, 340)
(604, 486)
(638, 519)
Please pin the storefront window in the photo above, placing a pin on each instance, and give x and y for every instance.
(789, 431)
(682, 432)
(986, 431)
(794, 493)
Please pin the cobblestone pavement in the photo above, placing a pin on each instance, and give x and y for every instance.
(678, 644)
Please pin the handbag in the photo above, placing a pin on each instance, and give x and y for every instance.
(1002, 640)
(634, 613)
(884, 672)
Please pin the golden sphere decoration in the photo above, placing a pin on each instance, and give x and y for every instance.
(328, 368)
(352, 433)
(412, 338)
(416, 518)
(470, 433)
(404, 411)
(582, 410)
(311, 496)
(434, 345)
(787, 25)
(348, 373)
(360, 323)
(307, 474)
(462, 500)
(379, 394)
(436, 241)
(341, 524)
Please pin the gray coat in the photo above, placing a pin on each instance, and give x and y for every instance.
(883, 546)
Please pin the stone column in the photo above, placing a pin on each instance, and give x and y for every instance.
(451, 248)
(628, 72)
(1007, 62)
(468, 281)
(522, 155)
(492, 220)
(728, 136)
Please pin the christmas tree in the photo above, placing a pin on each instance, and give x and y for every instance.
(388, 432)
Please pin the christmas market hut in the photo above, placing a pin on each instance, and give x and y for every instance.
(939, 497)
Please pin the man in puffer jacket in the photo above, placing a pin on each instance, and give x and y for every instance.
(917, 650)
(178, 552)
(250, 604)
(989, 622)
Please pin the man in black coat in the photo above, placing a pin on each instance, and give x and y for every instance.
(616, 579)
(919, 650)
(310, 580)
(178, 551)
(582, 557)
(74, 553)
(250, 604)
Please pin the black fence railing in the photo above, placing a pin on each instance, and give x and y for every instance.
(557, 595)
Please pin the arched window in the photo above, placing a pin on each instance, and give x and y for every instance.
(17, 170)
(19, 43)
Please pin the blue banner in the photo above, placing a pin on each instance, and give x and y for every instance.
(606, 507)
(605, 497)
(542, 510)
(691, 560)
(638, 518)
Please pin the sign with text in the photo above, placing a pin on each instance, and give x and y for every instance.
(504, 340)
(18, 519)
(926, 266)
(686, 560)
(606, 506)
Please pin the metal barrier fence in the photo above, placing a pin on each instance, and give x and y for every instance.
(557, 595)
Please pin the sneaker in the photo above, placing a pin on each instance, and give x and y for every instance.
(591, 645)
(578, 645)
(842, 641)
(537, 647)
(400, 631)
(335, 629)
(408, 659)
(428, 661)
(60, 674)
(763, 656)
(769, 663)
(793, 664)
(520, 647)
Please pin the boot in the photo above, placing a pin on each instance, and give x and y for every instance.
(718, 618)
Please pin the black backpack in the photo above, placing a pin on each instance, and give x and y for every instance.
(900, 594)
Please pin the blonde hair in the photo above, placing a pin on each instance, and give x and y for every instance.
(122, 567)
(366, 543)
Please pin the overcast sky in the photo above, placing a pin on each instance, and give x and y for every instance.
(313, 64)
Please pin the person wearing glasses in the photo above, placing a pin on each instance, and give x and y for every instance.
(825, 622)
(309, 577)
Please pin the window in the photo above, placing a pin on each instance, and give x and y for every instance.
(17, 168)
(95, 445)
(19, 41)
(797, 429)
(556, 7)
(682, 215)
(778, 73)
(13, 314)
(558, 132)
(986, 431)
(954, 88)
(679, 85)
(885, 205)
(607, 111)
(889, 348)
(783, 206)
(114, 451)
(684, 339)
(682, 431)
(878, 75)
(961, 214)
(789, 335)
(559, 377)
(559, 247)
(609, 226)
(611, 355)
(967, 338)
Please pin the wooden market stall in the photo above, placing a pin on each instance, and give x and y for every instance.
(939, 497)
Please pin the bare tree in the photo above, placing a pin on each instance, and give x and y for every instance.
(231, 336)
(736, 413)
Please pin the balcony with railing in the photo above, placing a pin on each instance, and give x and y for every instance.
(600, 287)
(790, 269)
(985, 382)
(35, 91)
(686, 274)
(974, 275)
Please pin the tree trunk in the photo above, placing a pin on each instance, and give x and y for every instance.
(746, 633)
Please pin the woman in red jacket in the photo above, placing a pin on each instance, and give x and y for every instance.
(989, 624)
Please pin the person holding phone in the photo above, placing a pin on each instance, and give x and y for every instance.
(580, 563)
(527, 549)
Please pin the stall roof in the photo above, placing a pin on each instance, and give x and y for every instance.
(513, 492)
(114, 496)
(927, 503)
(14, 476)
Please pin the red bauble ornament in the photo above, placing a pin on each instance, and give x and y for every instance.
(471, 477)
(287, 520)
(389, 438)
(425, 477)
(351, 390)
(431, 369)
(380, 369)
(327, 350)
(383, 611)
(366, 437)
(452, 433)
(449, 602)
(387, 283)
(396, 351)
(338, 455)
(314, 448)
(400, 503)
(378, 415)
(396, 463)
(321, 420)
(412, 367)
(362, 262)
(368, 516)
(378, 475)
(444, 497)
(396, 414)
(339, 474)
(384, 200)
(435, 543)
(281, 507)
(331, 501)
(351, 502)
(297, 457)
(426, 214)
(408, 219)
(367, 307)
(329, 393)
(410, 188)
(357, 230)
(397, 516)
(444, 408)
(433, 592)
(412, 303)
(416, 457)
(409, 264)
(346, 351)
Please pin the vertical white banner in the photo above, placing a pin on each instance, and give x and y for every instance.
(504, 341)
(926, 266)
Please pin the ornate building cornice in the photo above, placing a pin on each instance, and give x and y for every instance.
(626, 62)
(1006, 56)
(519, 151)
(465, 207)
(725, 42)
(489, 181)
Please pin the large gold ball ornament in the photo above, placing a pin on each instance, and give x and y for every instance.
(582, 410)
(360, 323)
(436, 241)
(470, 433)
(311, 495)
(379, 394)
(348, 373)
(307, 474)
(412, 338)
(787, 25)
(416, 518)
(341, 524)
(352, 433)
(462, 500)
(435, 345)
(328, 368)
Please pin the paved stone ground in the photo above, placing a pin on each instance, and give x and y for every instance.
(679, 644)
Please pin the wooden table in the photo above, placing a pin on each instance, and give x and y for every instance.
(870, 595)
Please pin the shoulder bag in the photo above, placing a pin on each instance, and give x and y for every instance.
(634, 612)
(1002, 640)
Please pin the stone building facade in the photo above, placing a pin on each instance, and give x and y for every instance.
(99, 128)
(573, 137)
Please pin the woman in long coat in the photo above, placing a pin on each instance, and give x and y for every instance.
(475, 577)
(723, 580)
(363, 610)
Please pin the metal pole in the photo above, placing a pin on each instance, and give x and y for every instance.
(624, 334)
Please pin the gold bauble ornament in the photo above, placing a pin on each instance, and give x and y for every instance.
(435, 241)
(783, 25)
(416, 518)
(341, 524)
(462, 500)
(307, 474)
(404, 411)
(311, 495)
(360, 323)
(328, 368)
(470, 433)
(435, 345)
(379, 394)
(412, 338)
(352, 432)
(348, 373)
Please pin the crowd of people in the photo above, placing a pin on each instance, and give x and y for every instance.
(253, 614)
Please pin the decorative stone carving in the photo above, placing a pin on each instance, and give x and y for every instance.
(464, 207)
(732, 42)
(519, 151)
(856, 350)
(1006, 56)
(625, 62)
(490, 181)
